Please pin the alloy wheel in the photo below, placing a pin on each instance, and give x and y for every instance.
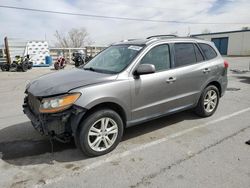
(102, 134)
(210, 101)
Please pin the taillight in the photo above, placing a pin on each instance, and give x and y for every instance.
(226, 64)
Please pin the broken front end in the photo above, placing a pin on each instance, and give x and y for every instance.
(56, 117)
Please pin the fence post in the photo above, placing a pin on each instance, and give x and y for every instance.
(69, 55)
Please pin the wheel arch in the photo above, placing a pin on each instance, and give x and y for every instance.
(199, 108)
(216, 84)
(109, 105)
(104, 105)
(212, 82)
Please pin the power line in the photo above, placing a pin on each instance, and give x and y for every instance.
(119, 18)
(136, 5)
(143, 6)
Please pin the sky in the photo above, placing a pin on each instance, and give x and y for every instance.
(39, 26)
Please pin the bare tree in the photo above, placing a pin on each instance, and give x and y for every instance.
(75, 38)
(61, 40)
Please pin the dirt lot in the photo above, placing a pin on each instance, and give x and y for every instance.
(181, 150)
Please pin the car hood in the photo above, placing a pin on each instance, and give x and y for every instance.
(64, 81)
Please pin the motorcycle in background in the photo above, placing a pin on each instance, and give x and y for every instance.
(80, 58)
(19, 64)
(60, 62)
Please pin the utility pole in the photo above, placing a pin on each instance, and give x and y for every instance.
(188, 31)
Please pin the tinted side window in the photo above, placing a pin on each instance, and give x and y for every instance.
(184, 54)
(208, 51)
(159, 57)
(198, 54)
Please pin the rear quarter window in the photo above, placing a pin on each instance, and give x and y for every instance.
(208, 51)
(198, 54)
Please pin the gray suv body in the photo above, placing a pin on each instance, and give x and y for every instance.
(126, 84)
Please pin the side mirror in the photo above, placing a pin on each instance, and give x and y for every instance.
(144, 69)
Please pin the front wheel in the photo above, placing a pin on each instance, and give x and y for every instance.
(208, 101)
(13, 67)
(100, 132)
(56, 66)
(30, 65)
(24, 66)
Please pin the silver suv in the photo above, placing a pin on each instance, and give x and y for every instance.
(128, 83)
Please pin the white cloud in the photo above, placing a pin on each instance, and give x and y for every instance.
(34, 25)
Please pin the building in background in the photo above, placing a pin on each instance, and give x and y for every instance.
(94, 49)
(2, 55)
(38, 50)
(231, 43)
(67, 52)
(1, 51)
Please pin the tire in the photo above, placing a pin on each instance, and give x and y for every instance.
(56, 66)
(24, 66)
(13, 67)
(30, 65)
(5, 67)
(205, 103)
(77, 64)
(91, 132)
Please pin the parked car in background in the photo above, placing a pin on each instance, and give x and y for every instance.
(130, 82)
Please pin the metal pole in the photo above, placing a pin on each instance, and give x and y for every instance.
(69, 55)
(7, 51)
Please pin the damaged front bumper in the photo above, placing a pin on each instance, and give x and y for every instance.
(61, 126)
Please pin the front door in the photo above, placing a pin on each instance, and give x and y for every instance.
(150, 93)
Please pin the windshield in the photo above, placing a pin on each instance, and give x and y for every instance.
(114, 59)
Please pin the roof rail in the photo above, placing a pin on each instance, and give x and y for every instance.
(161, 36)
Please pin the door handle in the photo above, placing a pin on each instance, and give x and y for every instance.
(206, 70)
(171, 80)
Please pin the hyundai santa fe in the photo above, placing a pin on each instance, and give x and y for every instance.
(128, 83)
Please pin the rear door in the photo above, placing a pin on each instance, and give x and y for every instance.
(191, 73)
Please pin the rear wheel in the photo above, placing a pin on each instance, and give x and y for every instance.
(78, 63)
(208, 102)
(5, 67)
(56, 66)
(101, 132)
(13, 67)
(30, 65)
(24, 66)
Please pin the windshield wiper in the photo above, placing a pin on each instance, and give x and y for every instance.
(89, 68)
(99, 70)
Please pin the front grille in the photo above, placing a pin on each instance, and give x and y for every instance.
(34, 103)
(56, 126)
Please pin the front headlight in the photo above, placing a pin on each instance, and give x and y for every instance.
(58, 103)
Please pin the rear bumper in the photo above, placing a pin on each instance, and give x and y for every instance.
(223, 88)
(224, 83)
(60, 125)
